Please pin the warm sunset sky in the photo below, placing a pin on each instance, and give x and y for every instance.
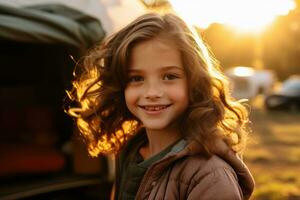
(243, 15)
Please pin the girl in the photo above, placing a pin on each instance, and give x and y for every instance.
(153, 95)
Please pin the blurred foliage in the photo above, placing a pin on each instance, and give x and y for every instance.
(229, 47)
(157, 5)
(280, 45)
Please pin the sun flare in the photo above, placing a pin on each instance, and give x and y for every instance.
(243, 15)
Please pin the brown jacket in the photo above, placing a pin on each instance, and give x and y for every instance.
(186, 174)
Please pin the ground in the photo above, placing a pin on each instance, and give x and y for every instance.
(273, 153)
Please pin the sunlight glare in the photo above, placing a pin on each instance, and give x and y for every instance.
(243, 71)
(244, 15)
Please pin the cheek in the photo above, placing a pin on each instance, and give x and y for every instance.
(182, 97)
(179, 93)
(130, 96)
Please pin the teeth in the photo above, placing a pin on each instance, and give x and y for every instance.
(154, 108)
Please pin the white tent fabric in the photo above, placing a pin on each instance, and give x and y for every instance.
(113, 14)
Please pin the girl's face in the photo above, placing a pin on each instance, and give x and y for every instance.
(157, 89)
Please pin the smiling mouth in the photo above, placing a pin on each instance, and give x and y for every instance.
(155, 108)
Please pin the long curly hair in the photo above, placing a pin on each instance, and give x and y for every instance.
(97, 97)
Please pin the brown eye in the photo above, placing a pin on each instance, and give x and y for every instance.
(135, 79)
(170, 77)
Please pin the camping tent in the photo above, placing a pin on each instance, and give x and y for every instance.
(75, 16)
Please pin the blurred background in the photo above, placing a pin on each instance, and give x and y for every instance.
(41, 153)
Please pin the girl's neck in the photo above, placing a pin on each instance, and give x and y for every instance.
(157, 141)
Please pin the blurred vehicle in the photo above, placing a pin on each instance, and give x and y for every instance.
(247, 82)
(41, 156)
(287, 97)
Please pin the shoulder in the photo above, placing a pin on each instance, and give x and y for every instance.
(207, 176)
(199, 165)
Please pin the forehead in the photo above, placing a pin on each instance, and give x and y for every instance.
(153, 53)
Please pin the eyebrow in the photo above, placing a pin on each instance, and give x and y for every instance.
(164, 68)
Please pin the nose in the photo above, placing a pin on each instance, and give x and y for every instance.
(153, 90)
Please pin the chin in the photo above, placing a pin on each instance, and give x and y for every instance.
(156, 127)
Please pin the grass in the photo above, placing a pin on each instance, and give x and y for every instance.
(273, 154)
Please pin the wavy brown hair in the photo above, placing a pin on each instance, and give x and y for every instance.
(97, 97)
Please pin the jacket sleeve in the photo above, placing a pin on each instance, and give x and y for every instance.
(220, 184)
